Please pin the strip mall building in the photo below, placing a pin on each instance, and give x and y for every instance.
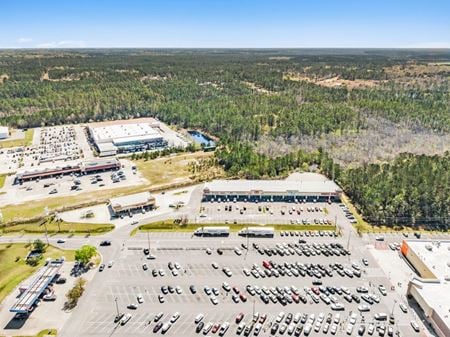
(431, 288)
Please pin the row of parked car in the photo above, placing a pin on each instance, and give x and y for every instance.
(298, 269)
(309, 233)
(304, 249)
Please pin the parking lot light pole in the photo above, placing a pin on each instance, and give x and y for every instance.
(117, 306)
(393, 307)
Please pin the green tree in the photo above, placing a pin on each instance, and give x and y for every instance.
(39, 245)
(76, 292)
(85, 253)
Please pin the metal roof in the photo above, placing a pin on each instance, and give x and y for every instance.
(106, 147)
(276, 186)
(115, 132)
(131, 200)
(44, 276)
(131, 139)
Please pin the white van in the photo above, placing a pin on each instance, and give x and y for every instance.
(381, 316)
(198, 318)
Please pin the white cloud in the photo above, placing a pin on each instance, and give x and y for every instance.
(436, 45)
(63, 44)
(24, 40)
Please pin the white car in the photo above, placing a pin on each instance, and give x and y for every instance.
(352, 318)
(125, 319)
(207, 327)
(333, 328)
(165, 327)
(371, 329)
(214, 300)
(237, 251)
(349, 328)
(110, 263)
(199, 318)
(403, 308)
(363, 307)
(174, 317)
(415, 326)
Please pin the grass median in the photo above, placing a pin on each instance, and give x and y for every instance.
(14, 269)
(172, 226)
(26, 141)
(75, 228)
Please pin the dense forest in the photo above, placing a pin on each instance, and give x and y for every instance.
(263, 105)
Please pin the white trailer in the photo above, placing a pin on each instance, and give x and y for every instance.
(262, 232)
(212, 231)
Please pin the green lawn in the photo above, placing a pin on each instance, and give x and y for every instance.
(2, 180)
(46, 332)
(169, 226)
(26, 141)
(13, 269)
(54, 228)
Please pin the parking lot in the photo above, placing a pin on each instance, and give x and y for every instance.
(193, 266)
(53, 144)
(68, 185)
(309, 213)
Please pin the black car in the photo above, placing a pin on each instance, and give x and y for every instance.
(146, 251)
(60, 280)
(274, 328)
(118, 317)
(154, 273)
(219, 251)
(361, 330)
(199, 327)
(192, 289)
(105, 243)
(157, 327)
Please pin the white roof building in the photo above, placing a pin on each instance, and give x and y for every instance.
(4, 132)
(116, 132)
(132, 201)
(272, 187)
(431, 290)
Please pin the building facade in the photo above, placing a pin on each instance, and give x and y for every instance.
(271, 191)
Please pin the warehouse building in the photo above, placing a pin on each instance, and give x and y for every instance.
(110, 139)
(86, 167)
(4, 132)
(271, 190)
(130, 203)
(431, 288)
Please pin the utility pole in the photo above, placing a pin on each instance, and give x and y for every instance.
(45, 224)
(336, 225)
(246, 252)
(393, 307)
(117, 306)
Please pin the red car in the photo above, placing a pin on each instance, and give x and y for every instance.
(266, 264)
(315, 290)
(243, 298)
(295, 298)
(215, 328)
(262, 318)
(239, 317)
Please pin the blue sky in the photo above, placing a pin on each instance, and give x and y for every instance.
(227, 24)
